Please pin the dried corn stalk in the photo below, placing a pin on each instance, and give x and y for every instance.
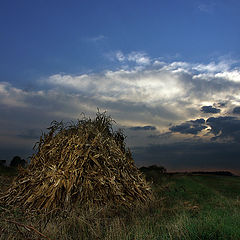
(85, 163)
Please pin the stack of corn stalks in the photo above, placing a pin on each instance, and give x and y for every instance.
(85, 163)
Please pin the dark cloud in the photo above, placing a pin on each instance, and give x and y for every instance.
(225, 127)
(210, 109)
(198, 121)
(190, 127)
(208, 87)
(190, 155)
(145, 128)
(236, 110)
(221, 104)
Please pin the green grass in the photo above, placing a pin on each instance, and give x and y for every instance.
(216, 212)
(186, 207)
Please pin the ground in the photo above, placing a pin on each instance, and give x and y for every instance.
(186, 207)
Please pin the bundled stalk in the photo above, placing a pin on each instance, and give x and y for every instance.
(85, 163)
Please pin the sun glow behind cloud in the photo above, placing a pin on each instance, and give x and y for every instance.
(181, 88)
(172, 91)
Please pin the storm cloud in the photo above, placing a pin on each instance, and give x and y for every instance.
(225, 128)
(190, 127)
(236, 110)
(222, 128)
(210, 109)
(144, 128)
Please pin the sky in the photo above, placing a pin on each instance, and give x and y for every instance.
(167, 71)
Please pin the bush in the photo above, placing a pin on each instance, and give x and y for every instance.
(17, 161)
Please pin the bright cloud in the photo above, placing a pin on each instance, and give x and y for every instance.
(133, 86)
(165, 83)
(120, 56)
(233, 75)
(11, 96)
(139, 58)
(156, 94)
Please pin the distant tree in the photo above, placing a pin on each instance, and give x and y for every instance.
(17, 161)
(154, 173)
(160, 169)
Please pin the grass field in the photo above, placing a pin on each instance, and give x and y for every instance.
(186, 207)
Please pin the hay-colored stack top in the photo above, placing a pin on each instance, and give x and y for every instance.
(85, 163)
